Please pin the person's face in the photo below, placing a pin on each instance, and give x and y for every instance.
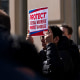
(51, 33)
(65, 33)
(55, 39)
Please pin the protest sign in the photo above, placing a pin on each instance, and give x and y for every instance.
(38, 21)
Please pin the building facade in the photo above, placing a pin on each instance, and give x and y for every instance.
(59, 12)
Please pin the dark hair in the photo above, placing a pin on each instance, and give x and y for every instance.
(70, 31)
(56, 31)
(23, 54)
(5, 20)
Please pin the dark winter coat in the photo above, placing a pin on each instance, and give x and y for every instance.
(74, 52)
(64, 47)
(58, 64)
(42, 55)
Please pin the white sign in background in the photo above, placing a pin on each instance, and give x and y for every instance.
(37, 19)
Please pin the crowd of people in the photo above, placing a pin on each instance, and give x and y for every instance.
(62, 52)
(20, 60)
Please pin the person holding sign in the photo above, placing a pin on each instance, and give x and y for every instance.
(59, 63)
(55, 65)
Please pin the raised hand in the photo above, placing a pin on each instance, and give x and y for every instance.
(30, 38)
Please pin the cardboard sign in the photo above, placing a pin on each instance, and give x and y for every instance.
(38, 21)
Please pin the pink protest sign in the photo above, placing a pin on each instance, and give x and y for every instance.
(38, 21)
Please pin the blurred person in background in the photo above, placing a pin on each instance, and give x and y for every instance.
(67, 31)
(7, 72)
(18, 58)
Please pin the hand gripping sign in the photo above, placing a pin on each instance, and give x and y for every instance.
(38, 21)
